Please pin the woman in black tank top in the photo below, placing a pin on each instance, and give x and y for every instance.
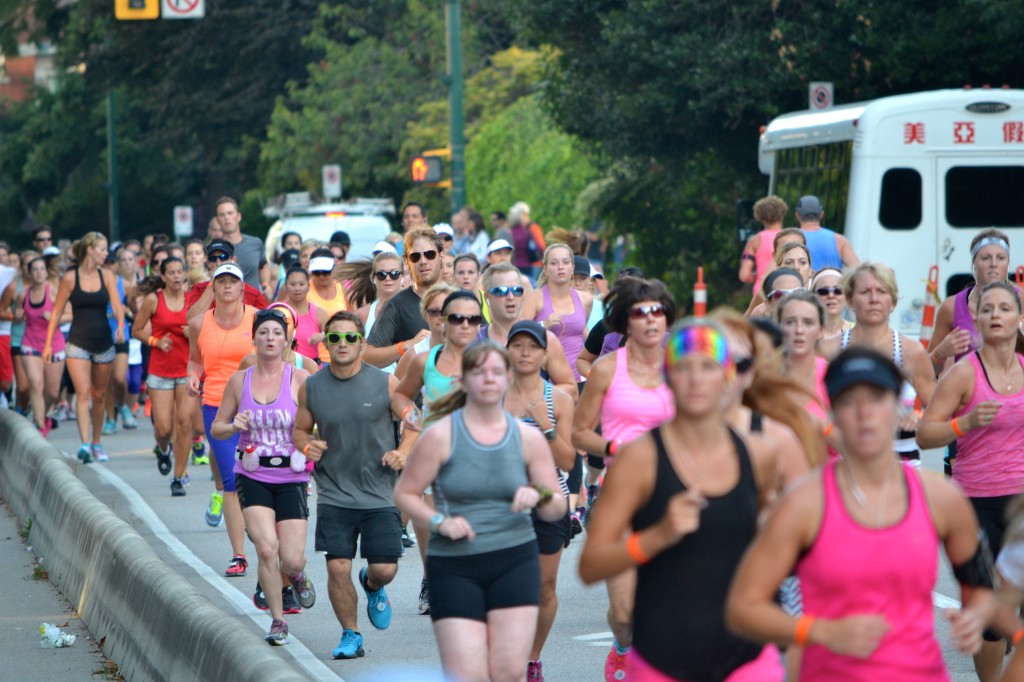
(682, 504)
(90, 349)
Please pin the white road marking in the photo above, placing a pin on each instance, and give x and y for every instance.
(296, 649)
(941, 601)
(595, 635)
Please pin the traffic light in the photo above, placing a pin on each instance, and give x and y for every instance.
(132, 10)
(427, 170)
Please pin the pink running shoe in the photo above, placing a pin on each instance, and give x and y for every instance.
(533, 672)
(615, 666)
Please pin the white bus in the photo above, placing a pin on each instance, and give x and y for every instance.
(909, 179)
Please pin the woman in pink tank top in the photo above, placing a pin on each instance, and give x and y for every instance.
(43, 377)
(310, 319)
(759, 251)
(627, 395)
(863, 534)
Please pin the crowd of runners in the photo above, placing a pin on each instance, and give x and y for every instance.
(747, 486)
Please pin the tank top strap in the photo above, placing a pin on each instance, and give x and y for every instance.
(756, 422)
(743, 455)
(577, 304)
(547, 308)
(917, 505)
(664, 464)
(247, 387)
(549, 402)
(897, 349)
(285, 395)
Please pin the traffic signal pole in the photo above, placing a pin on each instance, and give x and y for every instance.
(456, 135)
(113, 196)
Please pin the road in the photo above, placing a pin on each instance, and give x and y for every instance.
(132, 487)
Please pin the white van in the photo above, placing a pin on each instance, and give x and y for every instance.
(909, 179)
(366, 221)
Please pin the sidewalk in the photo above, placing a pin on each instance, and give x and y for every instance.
(28, 603)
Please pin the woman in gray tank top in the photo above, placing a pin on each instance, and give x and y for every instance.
(488, 471)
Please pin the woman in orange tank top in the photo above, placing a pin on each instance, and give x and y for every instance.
(324, 292)
(218, 340)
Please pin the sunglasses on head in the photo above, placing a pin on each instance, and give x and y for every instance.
(415, 256)
(334, 338)
(779, 293)
(220, 256)
(744, 365)
(641, 311)
(472, 320)
(504, 291)
(382, 275)
(825, 291)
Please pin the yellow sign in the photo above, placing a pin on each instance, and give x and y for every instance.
(133, 10)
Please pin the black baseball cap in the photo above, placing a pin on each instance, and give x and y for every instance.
(532, 328)
(220, 245)
(858, 365)
(341, 237)
(289, 257)
(581, 266)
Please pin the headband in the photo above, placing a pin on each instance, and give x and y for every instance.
(770, 278)
(696, 337)
(822, 273)
(990, 241)
(456, 295)
(291, 310)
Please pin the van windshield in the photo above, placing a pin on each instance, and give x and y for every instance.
(985, 196)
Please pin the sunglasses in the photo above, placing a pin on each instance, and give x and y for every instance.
(416, 255)
(434, 312)
(779, 293)
(825, 291)
(641, 311)
(382, 275)
(504, 291)
(264, 313)
(472, 320)
(447, 237)
(744, 365)
(48, 240)
(220, 257)
(334, 338)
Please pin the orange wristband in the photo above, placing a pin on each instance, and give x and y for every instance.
(305, 450)
(1017, 636)
(803, 629)
(152, 341)
(828, 430)
(401, 351)
(636, 552)
(956, 429)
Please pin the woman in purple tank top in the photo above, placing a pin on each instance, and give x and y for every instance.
(260, 404)
(563, 310)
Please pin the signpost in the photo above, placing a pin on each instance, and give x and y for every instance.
(182, 221)
(330, 175)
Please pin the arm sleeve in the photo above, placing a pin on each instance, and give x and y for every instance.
(595, 339)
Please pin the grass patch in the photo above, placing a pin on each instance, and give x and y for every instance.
(39, 573)
(24, 531)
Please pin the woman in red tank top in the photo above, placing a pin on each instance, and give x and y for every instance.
(862, 535)
(164, 311)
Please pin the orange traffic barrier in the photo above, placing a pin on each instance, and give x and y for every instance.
(931, 302)
(700, 295)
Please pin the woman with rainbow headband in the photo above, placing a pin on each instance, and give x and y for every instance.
(681, 505)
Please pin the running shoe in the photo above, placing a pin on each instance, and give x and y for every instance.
(98, 453)
(424, 605)
(592, 492)
(259, 599)
(177, 488)
(84, 454)
(163, 460)
(236, 567)
(128, 419)
(289, 604)
(44, 429)
(615, 666)
(199, 453)
(148, 408)
(278, 635)
(304, 590)
(576, 522)
(215, 512)
(378, 606)
(408, 540)
(533, 672)
(61, 413)
(185, 478)
(109, 427)
(350, 646)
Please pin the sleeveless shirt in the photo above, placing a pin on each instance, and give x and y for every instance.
(435, 384)
(270, 430)
(629, 410)
(764, 257)
(962, 320)
(336, 304)
(36, 325)
(221, 351)
(89, 328)
(571, 331)
(821, 245)
(306, 326)
(166, 322)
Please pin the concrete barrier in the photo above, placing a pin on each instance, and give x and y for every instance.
(156, 625)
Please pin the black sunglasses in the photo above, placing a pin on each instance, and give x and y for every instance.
(416, 255)
(447, 237)
(504, 291)
(641, 311)
(43, 239)
(220, 256)
(434, 312)
(744, 365)
(825, 291)
(473, 320)
(334, 338)
(382, 275)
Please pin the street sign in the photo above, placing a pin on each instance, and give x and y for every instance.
(330, 175)
(182, 221)
(821, 95)
(182, 9)
(133, 10)
(427, 169)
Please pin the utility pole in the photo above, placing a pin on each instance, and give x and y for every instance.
(456, 135)
(113, 198)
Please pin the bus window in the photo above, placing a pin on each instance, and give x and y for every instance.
(900, 208)
(822, 170)
(985, 196)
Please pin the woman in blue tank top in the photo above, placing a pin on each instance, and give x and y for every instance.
(487, 470)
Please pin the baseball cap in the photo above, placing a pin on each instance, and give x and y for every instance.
(382, 246)
(498, 245)
(857, 365)
(595, 273)
(808, 205)
(532, 328)
(51, 251)
(289, 258)
(581, 266)
(341, 237)
(220, 245)
(228, 269)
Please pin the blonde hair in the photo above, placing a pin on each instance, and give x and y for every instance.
(433, 292)
(80, 249)
(542, 278)
(882, 272)
(780, 255)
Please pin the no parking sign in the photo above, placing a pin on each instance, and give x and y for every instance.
(182, 221)
(182, 9)
(820, 95)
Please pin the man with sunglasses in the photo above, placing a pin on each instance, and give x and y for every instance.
(351, 406)
(200, 296)
(401, 325)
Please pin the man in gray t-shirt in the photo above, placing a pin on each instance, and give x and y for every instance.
(349, 403)
(249, 252)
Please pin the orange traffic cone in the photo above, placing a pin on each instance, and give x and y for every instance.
(700, 295)
(931, 302)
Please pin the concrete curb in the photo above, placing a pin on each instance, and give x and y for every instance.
(156, 625)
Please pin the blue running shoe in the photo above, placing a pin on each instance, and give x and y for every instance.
(350, 646)
(84, 454)
(378, 606)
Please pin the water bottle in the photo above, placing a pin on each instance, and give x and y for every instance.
(53, 638)
(250, 461)
(298, 462)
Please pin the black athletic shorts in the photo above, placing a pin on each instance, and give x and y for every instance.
(470, 586)
(379, 532)
(552, 536)
(288, 500)
(991, 513)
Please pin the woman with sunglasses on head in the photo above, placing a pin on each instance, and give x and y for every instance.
(677, 512)
(90, 344)
(258, 411)
(488, 471)
(626, 394)
(42, 378)
(979, 404)
(825, 285)
(218, 340)
(290, 354)
(309, 319)
(777, 284)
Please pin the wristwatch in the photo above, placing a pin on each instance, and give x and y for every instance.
(435, 522)
(551, 435)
